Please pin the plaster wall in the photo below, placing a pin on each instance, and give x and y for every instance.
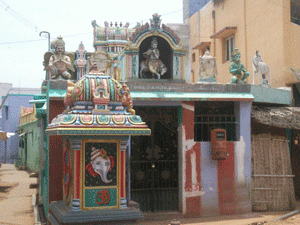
(55, 155)
(261, 25)
(10, 124)
(216, 187)
(201, 28)
(182, 31)
(33, 146)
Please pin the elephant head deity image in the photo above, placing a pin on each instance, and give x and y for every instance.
(100, 164)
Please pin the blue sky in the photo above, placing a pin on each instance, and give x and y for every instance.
(22, 49)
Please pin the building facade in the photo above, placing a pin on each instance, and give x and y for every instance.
(265, 26)
(29, 140)
(174, 169)
(10, 119)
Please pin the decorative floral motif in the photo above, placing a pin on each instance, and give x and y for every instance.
(69, 119)
(119, 119)
(86, 119)
(103, 119)
(135, 119)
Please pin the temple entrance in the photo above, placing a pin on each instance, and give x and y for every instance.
(154, 161)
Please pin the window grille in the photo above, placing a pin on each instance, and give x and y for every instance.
(214, 115)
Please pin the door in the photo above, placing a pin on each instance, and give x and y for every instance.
(154, 161)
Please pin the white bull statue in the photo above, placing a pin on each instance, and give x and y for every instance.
(262, 70)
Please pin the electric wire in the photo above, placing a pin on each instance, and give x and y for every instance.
(18, 16)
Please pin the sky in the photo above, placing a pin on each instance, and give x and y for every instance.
(22, 48)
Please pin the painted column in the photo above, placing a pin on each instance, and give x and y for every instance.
(242, 152)
(191, 159)
(76, 146)
(123, 201)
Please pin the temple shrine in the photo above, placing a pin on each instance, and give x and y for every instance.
(117, 161)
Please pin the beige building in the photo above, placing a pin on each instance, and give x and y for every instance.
(270, 26)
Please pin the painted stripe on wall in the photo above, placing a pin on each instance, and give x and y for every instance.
(243, 160)
(209, 182)
(192, 159)
(226, 182)
(193, 180)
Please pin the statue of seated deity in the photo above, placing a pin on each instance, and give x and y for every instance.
(237, 69)
(59, 62)
(152, 63)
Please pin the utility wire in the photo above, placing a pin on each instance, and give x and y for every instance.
(72, 35)
(18, 16)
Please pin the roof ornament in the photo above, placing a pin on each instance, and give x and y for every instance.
(155, 21)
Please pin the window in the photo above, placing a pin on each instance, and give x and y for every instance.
(193, 57)
(6, 113)
(230, 44)
(295, 12)
(212, 115)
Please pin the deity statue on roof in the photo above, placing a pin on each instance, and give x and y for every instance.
(152, 62)
(207, 68)
(59, 62)
(237, 69)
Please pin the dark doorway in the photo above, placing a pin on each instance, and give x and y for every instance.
(165, 55)
(154, 161)
(295, 157)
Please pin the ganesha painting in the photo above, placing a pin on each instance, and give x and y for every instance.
(100, 164)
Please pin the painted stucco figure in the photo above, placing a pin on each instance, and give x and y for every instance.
(152, 62)
(59, 63)
(100, 164)
(207, 68)
(261, 69)
(237, 69)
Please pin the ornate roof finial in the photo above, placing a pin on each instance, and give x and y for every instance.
(155, 21)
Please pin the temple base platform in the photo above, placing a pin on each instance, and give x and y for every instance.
(60, 213)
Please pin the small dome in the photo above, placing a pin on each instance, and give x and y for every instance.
(97, 92)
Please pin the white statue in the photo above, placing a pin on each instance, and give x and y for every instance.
(207, 68)
(262, 70)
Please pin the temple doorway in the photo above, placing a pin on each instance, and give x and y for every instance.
(154, 161)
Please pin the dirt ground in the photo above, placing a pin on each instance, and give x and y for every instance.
(15, 197)
(16, 207)
(248, 219)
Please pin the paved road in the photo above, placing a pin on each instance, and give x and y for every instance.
(15, 196)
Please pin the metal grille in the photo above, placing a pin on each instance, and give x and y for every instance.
(204, 124)
(154, 161)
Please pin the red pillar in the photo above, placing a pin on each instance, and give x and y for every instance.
(76, 146)
(123, 201)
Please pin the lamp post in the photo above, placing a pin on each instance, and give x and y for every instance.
(46, 32)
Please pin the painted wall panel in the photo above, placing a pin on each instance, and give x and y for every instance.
(209, 182)
(55, 156)
(243, 158)
(226, 182)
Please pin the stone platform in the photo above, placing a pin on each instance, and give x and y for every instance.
(60, 213)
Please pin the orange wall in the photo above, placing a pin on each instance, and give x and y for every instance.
(261, 25)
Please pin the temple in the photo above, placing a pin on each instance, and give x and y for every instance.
(127, 133)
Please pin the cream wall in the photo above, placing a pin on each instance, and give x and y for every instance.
(202, 20)
(261, 25)
(230, 14)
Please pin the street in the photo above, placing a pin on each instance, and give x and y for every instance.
(16, 206)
